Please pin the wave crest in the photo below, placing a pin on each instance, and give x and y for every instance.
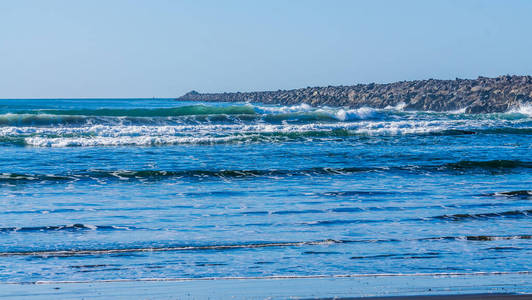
(523, 109)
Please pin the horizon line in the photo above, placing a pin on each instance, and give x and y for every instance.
(252, 91)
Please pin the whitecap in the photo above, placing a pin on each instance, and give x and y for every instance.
(398, 107)
(522, 108)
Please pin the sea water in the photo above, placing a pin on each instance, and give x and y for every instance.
(107, 189)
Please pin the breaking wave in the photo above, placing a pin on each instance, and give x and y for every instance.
(206, 125)
(145, 112)
(523, 109)
(205, 134)
(192, 113)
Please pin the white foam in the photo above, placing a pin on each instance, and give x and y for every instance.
(458, 111)
(91, 227)
(354, 114)
(303, 107)
(341, 114)
(124, 141)
(355, 121)
(398, 107)
(523, 108)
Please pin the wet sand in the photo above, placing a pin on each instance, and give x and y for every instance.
(417, 286)
(447, 297)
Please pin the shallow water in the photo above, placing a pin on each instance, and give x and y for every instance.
(142, 188)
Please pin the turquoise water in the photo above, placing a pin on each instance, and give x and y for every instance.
(155, 188)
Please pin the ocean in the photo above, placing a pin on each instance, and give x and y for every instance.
(112, 189)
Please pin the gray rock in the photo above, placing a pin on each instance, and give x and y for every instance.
(481, 95)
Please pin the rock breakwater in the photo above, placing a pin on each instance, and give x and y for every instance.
(481, 95)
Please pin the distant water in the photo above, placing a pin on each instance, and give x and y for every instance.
(154, 188)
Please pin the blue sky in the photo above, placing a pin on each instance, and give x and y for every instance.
(162, 48)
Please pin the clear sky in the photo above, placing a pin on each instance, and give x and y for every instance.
(157, 48)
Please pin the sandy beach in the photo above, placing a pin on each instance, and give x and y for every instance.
(385, 286)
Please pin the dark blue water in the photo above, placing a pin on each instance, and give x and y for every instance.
(144, 188)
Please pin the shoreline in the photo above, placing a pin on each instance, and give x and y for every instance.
(436, 287)
(481, 95)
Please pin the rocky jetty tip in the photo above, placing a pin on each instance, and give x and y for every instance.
(481, 95)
